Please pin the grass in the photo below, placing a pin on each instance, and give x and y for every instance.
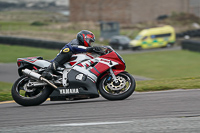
(5, 91)
(168, 84)
(164, 64)
(10, 53)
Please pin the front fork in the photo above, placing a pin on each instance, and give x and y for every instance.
(113, 75)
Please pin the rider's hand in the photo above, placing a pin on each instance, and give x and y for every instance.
(94, 49)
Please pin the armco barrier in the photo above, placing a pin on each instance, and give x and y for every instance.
(31, 42)
(192, 45)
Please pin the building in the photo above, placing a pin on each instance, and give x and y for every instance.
(129, 11)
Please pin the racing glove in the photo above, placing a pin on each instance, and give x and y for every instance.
(94, 49)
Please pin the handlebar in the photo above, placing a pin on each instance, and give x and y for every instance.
(100, 52)
(104, 50)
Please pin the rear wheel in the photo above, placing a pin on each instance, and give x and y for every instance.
(26, 96)
(124, 87)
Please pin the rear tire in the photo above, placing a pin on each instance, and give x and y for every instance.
(117, 91)
(29, 96)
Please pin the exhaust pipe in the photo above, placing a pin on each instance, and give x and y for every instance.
(37, 76)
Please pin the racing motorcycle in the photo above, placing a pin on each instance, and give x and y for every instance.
(84, 76)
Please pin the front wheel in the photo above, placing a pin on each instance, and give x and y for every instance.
(124, 87)
(26, 96)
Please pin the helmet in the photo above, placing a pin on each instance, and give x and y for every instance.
(85, 38)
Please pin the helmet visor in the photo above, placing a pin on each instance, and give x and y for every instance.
(89, 39)
(90, 43)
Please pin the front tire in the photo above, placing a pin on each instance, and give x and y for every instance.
(29, 96)
(117, 91)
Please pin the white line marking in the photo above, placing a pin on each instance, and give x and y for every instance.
(90, 124)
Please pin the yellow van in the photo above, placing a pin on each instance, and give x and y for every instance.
(154, 38)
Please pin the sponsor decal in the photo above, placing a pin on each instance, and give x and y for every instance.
(66, 50)
(69, 91)
(79, 76)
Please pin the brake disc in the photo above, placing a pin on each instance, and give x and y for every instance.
(121, 83)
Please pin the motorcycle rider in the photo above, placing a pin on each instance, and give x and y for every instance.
(81, 44)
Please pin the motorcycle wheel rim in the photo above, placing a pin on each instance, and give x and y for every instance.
(123, 87)
(27, 95)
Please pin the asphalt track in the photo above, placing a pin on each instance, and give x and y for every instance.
(175, 111)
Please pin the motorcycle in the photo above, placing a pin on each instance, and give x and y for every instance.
(84, 76)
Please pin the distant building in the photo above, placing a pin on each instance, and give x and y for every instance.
(129, 11)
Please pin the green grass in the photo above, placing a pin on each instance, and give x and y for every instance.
(164, 64)
(18, 26)
(10, 53)
(168, 84)
(5, 91)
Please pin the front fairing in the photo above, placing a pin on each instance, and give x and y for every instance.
(114, 56)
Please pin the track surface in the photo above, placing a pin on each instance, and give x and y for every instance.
(165, 111)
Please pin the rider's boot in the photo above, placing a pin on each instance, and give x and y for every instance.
(48, 73)
(59, 60)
